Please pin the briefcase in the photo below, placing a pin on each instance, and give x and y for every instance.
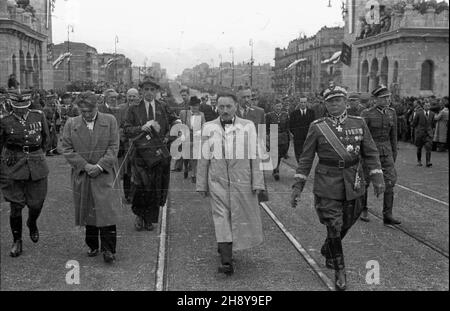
(151, 148)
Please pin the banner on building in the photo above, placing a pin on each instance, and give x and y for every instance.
(346, 54)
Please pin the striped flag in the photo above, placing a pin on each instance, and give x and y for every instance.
(61, 59)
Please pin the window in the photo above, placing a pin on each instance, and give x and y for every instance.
(426, 76)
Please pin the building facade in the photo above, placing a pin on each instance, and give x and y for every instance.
(401, 44)
(299, 68)
(83, 64)
(25, 41)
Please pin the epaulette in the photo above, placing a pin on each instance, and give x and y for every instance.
(319, 120)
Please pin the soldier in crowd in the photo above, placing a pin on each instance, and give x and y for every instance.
(341, 142)
(52, 115)
(151, 119)
(24, 135)
(281, 118)
(382, 123)
(354, 107)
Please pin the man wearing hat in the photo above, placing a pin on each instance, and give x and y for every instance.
(150, 184)
(341, 142)
(299, 121)
(90, 144)
(354, 107)
(382, 123)
(24, 135)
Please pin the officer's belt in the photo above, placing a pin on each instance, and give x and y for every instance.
(24, 149)
(338, 163)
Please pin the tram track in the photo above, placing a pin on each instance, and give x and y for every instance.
(403, 229)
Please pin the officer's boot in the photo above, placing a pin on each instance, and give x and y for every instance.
(419, 157)
(326, 253)
(226, 254)
(33, 215)
(388, 203)
(340, 278)
(428, 158)
(365, 212)
(16, 229)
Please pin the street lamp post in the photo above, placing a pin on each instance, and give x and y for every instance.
(251, 65)
(232, 67)
(69, 29)
(220, 69)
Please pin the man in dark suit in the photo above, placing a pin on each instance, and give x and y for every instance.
(423, 133)
(207, 110)
(150, 184)
(299, 122)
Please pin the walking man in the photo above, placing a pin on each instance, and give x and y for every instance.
(90, 145)
(232, 183)
(341, 142)
(299, 122)
(423, 133)
(382, 123)
(24, 135)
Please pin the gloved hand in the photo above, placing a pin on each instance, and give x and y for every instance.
(297, 189)
(378, 183)
(378, 189)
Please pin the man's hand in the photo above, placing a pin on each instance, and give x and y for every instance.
(152, 123)
(297, 189)
(95, 171)
(378, 189)
(89, 167)
(204, 194)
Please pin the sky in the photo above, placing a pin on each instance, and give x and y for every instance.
(182, 33)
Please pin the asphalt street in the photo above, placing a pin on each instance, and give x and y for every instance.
(191, 257)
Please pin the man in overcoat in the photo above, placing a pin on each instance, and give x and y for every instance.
(422, 123)
(90, 145)
(231, 181)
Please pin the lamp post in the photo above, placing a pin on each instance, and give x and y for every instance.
(232, 67)
(69, 30)
(251, 64)
(220, 69)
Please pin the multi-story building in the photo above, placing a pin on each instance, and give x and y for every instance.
(300, 67)
(114, 68)
(25, 40)
(158, 73)
(83, 65)
(404, 46)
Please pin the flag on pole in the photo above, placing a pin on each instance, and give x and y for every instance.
(346, 55)
(61, 59)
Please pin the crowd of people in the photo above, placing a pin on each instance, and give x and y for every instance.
(120, 148)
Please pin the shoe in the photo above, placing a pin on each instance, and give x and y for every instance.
(228, 269)
(49, 154)
(16, 249)
(92, 252)
(364, 216)
(340, 280)
(34, 232)
(56, 152)
(391, 221)
(176, 170)
(276, 176)
(429, 165)
(149, 227)
(139, 223)
(419, 164)
(108, 257)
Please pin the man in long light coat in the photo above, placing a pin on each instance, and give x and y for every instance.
(228, 174)
(90, 145)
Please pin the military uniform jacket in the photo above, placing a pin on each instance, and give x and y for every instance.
(18, 133)
(383, 128)
(333, 182)
(282, 120)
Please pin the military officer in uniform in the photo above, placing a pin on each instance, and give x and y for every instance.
(24, 135)
(341, 141)
(382, 123)
(281, 118)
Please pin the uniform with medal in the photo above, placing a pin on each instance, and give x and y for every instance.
(341, 143)
(24, 137)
